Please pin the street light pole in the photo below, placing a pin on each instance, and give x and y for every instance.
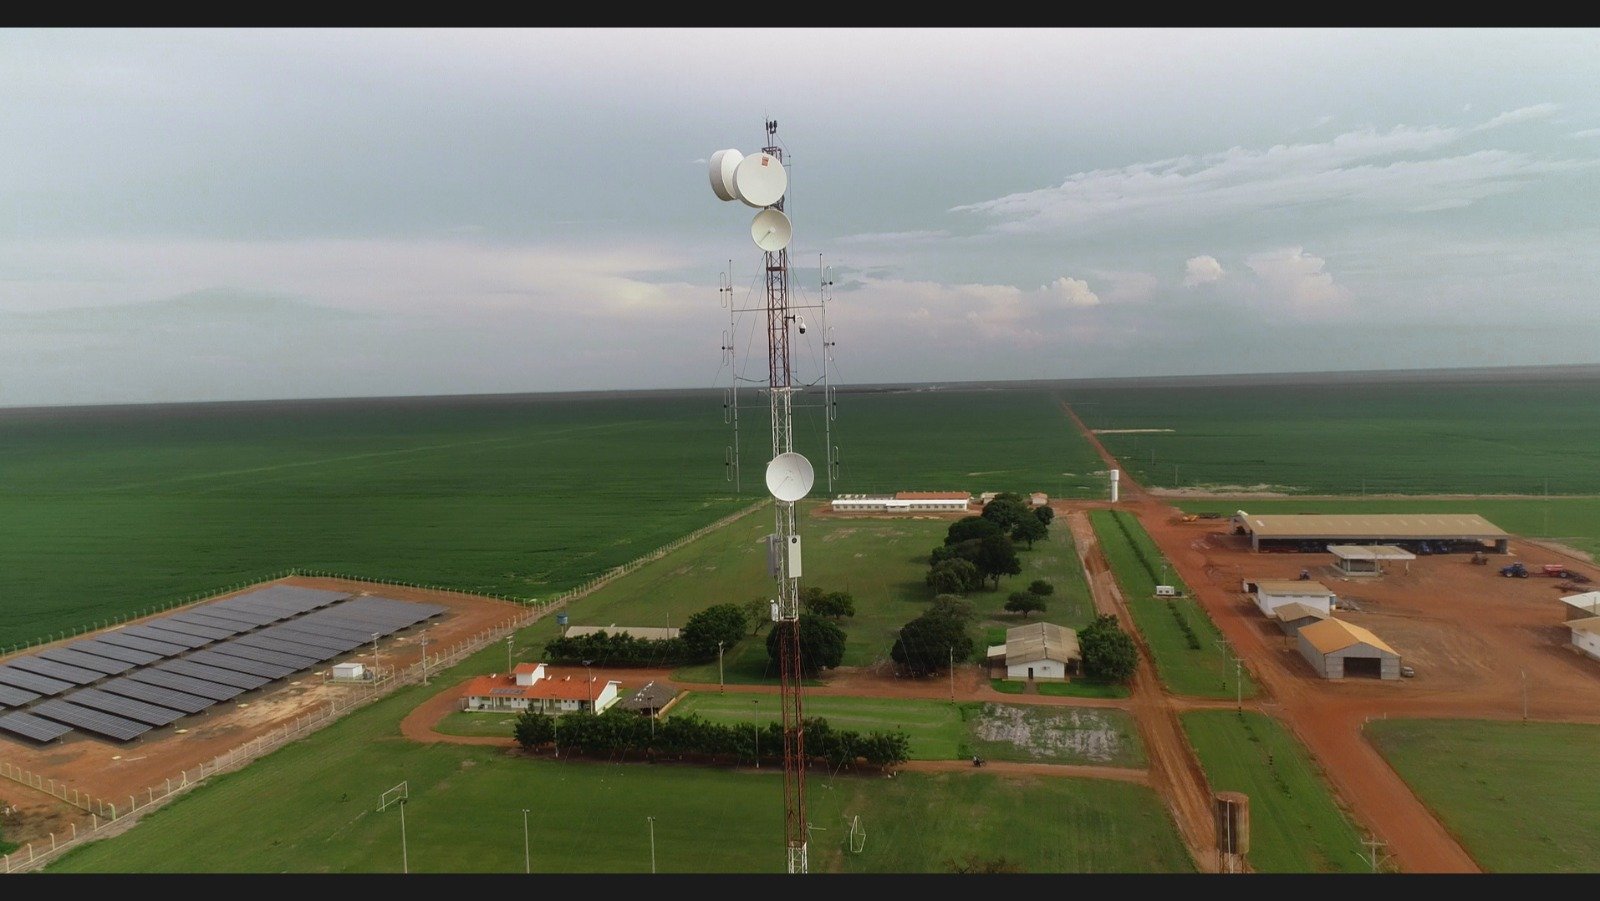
(375, 654)
(952, 673)
(589, 675)
(652, 843)
(405, 863)
(424, 661)
(527, 861)
(508, 653)
(720, 686)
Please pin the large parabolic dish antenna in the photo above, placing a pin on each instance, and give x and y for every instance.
(789, 476)
(760, 180)
(771, 230)
(723, 164)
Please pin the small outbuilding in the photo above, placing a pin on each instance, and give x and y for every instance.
(1581, 606)
(1293, 617)
(1586, 635)
(1367, 559)
(1043, 652)
(650, 700)
(1337, 649)
(1273, 593)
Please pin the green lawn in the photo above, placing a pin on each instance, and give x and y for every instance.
(940, 730)
(1205, 671)
(1295, 824)
(310, 807)
(475, 723)
(1515, 794)
(1077, 688)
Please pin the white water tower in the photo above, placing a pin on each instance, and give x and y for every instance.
(1115, 474)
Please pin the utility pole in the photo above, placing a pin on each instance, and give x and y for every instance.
(527, 861)
(424, 661)
(720, 686)
(1524, 696)
(652, 843)
(589, 676)
(1374, 847)
(509, 639)
(1238, 684)
(952, 673)
(375, 655)
(405, 863)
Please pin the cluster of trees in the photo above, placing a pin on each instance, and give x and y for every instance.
(1108, 652)
(1026, 602)
(979, 549)
(618, 732)
(933, 641)
(696, 642)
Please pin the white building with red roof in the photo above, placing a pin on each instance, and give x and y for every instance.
(530, 686)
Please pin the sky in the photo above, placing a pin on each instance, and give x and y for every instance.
(194, 215)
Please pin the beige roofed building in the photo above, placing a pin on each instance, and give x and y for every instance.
(1337, 649)
(1039, 651)
(1370, 529)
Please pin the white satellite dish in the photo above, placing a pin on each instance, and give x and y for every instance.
(760, 180)
(789, 477)
(723, 162)
(771, 230)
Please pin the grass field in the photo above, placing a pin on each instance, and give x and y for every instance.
(940, 730)
(1186, 670)
(1424, 436)
(463, 723)
(1295, 824)
(109, 510)
(1514, 794)
(310, 807)
(1077, 688)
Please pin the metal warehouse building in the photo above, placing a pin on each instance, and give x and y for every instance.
(1337, 649)
(1293, 530)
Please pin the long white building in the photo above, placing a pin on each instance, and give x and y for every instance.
(904, 502)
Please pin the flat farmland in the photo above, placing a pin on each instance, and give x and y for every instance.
(1424, 435)
(112, 509)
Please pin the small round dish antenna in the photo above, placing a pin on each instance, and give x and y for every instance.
(771, 230)
(789, 476)
(723, 163)
(759, 180)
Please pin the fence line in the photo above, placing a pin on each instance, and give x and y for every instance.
(109, 815)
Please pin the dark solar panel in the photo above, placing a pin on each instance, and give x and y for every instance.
(505, 692)
(140, 643)
(16, 697)
(295, 661)
(311, 638)
(284, 646)
(364, 626)
(168, 624)
(216, 691)
(234, 626)
(29, 726)
(91, 720)
(324, 627)
(87, 661)
(293, 597)
(189, 642)
(259, 616)
(241, 664)
(187, 667)
(139, 711)
(77, 675)
(155, 694)
(21, 678)
(114, 651)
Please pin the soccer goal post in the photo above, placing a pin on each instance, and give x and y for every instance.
(401, 792)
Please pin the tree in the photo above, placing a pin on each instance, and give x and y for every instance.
(952, 606)
(534, 729)
(954, 576)
(835, 604)
(1024, 602)
(1006, 510)
(1029, 529)
(928, 643)
(1042, 587)
(1109, 654)
(971, 527)
(821, 644)
(723, 623)
(1045, 514)
(758, 611)
(997, 557)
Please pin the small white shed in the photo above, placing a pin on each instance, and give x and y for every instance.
(1271, 594)
(349, 671)
(1586, 635)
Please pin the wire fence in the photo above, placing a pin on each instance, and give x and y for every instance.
(115, 816)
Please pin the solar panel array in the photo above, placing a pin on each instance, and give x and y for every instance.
(154, 673)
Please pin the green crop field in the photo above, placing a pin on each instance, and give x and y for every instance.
(310, 807)
(1420, 436)
(1202, 671)
(112, 509)
(1295, 824)
(1514, 794)
(940, 730)
(1573, 521)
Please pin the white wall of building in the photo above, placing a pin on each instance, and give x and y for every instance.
(1042, 669)
(1587, 642)
(1268, 602)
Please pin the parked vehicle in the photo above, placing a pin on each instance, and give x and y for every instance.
(1514, 571)
(1407, 671)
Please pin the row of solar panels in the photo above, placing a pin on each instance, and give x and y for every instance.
(52, 672)
(130, 705)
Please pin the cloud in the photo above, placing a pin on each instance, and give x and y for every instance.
(923, 236)
(1126, 287)
(1406, 168)
(1300, 279)
(1201, 270)
(1069, 292)
(1522, 114)
(1587, 133)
